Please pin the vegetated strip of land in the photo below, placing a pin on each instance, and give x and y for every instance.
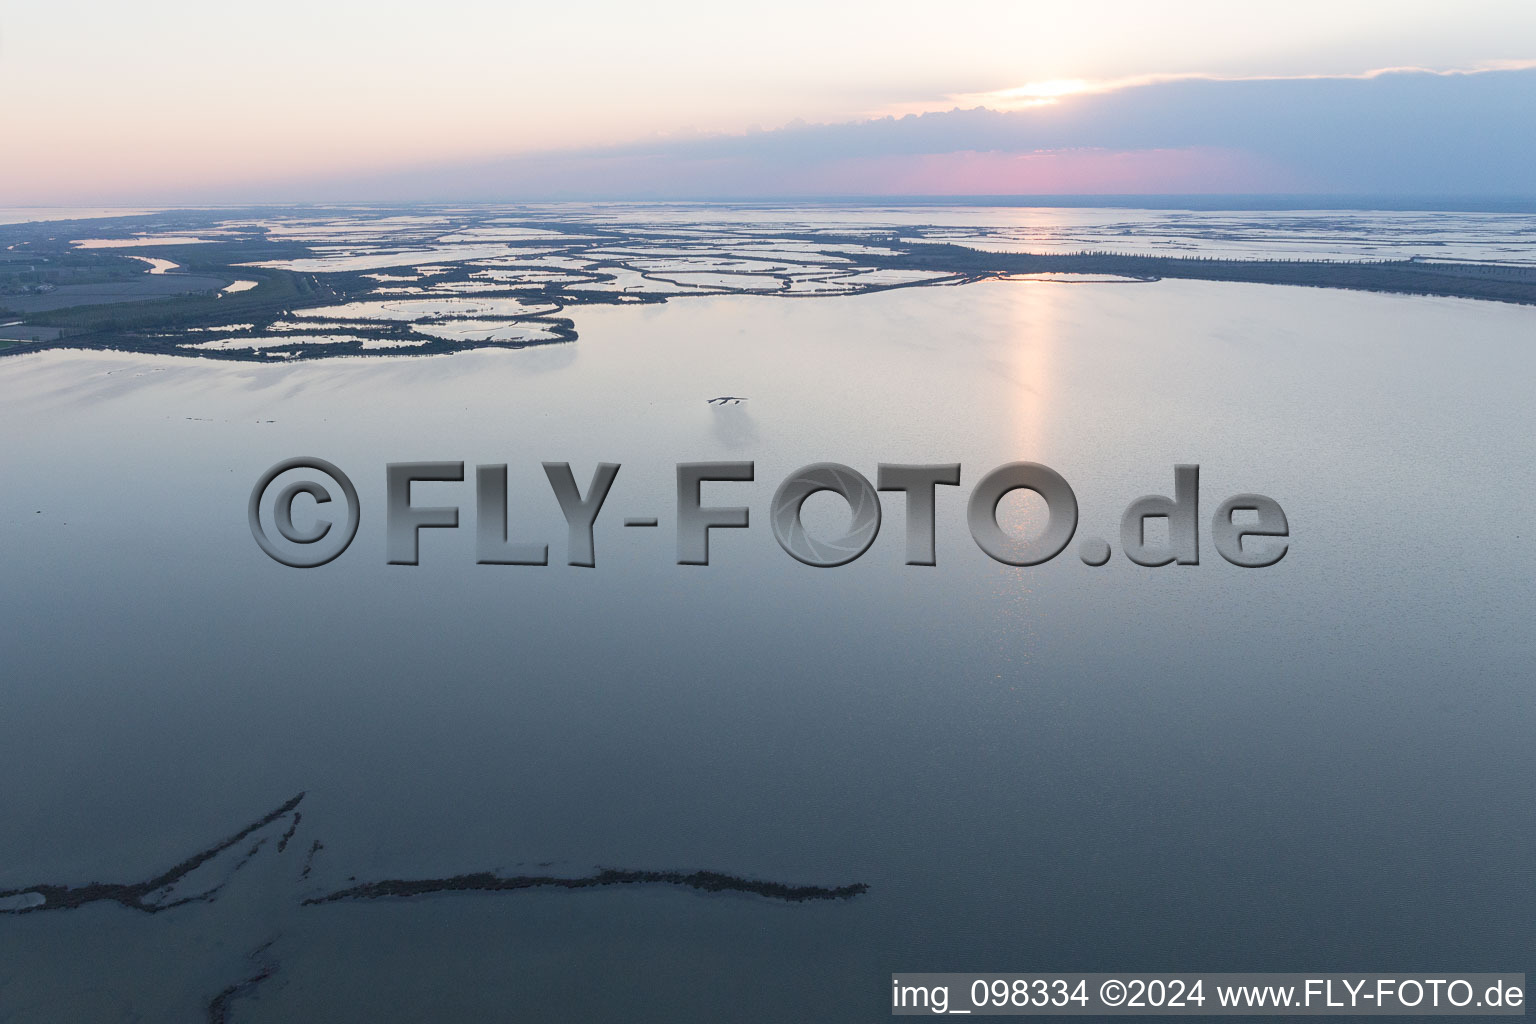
(1499, 283)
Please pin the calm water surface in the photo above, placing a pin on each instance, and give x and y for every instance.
(1323, 765)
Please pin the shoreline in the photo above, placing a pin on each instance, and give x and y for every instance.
(471, 281)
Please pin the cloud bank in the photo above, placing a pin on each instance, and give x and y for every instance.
(1407, 132)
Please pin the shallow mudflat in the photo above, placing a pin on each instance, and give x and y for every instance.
(406, 275)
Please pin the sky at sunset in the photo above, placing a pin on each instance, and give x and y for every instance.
(165, 102)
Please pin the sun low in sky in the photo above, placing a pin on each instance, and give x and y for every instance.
(187, 101)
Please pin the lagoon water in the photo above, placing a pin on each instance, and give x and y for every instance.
(1321, 765)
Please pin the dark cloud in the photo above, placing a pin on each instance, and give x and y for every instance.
(1397, 133)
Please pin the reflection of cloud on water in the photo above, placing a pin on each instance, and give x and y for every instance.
(733, 426)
